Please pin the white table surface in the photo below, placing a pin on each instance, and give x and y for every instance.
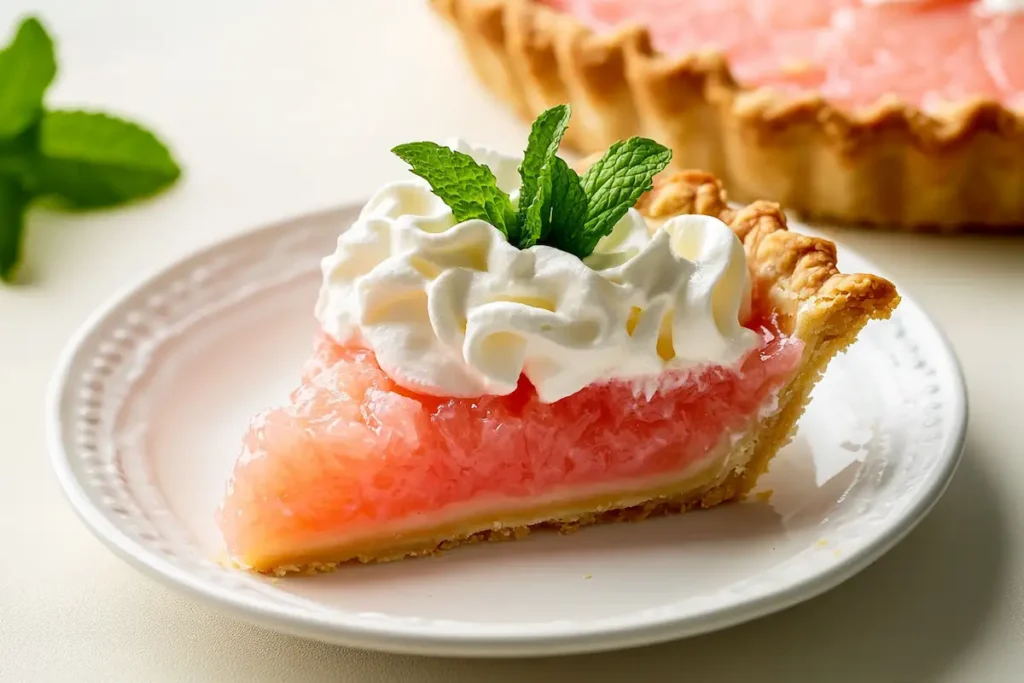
(278, 108)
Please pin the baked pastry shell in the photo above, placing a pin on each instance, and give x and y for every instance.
(889, 165)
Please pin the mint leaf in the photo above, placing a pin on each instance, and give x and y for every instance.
(13, 202)
(91, 160)
(546, 134)
(16, 152)
(467, 187)
(27, 66)
(84, 159)
(557, 207)
(530, 227)
(568, 212)
(616, 182)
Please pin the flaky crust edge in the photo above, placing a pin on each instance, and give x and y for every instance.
(890, 165)
(797, 277)
(796, 274)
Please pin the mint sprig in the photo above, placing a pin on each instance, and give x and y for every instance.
(27, 67)
(468, 188)
(569, 204)
(13, 201)
(89, 159)
(82, 159)
(534, 217)
(616, 181)
(557, 207)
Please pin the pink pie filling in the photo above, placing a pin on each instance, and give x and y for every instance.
(353, 451)
(927, 52)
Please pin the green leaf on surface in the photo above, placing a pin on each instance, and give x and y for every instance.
(91, 160)
(27, 67)
(80, 159)
(16, 153)
(13, 202)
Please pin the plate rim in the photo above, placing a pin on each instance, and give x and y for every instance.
(433, 638)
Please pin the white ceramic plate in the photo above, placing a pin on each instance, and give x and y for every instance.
(152, 397)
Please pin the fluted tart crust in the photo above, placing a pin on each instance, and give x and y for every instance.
(890, 165)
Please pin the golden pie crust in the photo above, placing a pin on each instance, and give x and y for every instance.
(794, 274)
(889, 165)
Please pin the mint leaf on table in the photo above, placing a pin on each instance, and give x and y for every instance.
(616, 181)
(13, 200)
(468, 188)
(16, 152)
(83, 159)
(568, 211)
(533, 220)
(27, 67)
(90, 160)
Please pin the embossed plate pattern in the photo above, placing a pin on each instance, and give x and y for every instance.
(152, 396)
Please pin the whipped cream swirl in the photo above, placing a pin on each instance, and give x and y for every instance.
(455, 310)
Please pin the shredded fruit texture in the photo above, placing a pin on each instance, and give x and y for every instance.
(353, 448)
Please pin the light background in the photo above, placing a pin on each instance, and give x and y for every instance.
(278, 108)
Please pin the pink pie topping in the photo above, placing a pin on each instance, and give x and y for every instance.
(928, 52)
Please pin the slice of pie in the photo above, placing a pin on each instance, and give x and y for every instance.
(896, 113)
(508, 345)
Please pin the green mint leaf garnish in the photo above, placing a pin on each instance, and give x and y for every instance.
(533, 220)
(468, 188)
(90, 160)
(568, 211)
(82, 159)
(529, 230)
(557, 207)
(13, 200)
(617, 180)
(27, 66)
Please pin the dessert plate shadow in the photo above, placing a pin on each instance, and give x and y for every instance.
(149, 403)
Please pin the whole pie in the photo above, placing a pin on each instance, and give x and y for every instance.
(507, 344)
(895, 113)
